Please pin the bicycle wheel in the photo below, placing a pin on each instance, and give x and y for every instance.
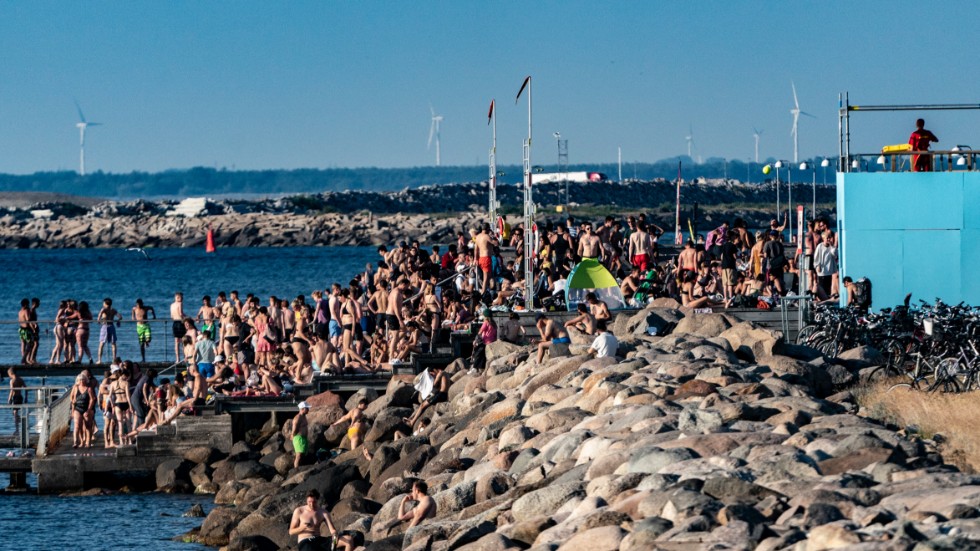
(803, 337)
(911, 386)
(944, 382)
(893, 354)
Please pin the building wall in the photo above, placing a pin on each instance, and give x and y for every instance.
(913, 233)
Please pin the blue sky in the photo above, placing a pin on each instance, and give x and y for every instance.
(255, 85)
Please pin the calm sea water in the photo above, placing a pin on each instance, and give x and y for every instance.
(140, 521)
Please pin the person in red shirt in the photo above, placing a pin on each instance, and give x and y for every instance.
(920, 140)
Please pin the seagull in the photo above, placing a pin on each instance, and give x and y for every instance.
(140, 250)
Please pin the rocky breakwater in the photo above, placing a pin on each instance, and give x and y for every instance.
(715, 436)
(230, 230)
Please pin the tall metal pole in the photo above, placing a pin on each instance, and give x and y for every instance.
(493, 169)
(529, 245)
(777, 194)
(789, 201)
(619, 155)
(678, 234)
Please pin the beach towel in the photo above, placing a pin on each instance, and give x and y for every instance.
(423, 384)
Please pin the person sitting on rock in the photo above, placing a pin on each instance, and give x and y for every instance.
(424, 508)
(605, 344)
(584, 321)
(551, 333)
(440, 393)
(511, 330)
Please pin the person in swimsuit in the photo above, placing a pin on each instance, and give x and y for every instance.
(307, 523)
(584, 321)
(105, 405)
(551, 333)
(16, 395)
(358, 425)
(230, 333)
(121, 405)
(265, 337)
(60, 328)
(298, 432)
(82, 399)
(24, 330)
(177, 318)
(440, 393)
(83, 331)
(143, 333)
(424, 509)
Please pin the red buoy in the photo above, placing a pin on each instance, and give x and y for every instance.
(209, 247)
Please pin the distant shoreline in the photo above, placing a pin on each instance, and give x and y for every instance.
(431, 214)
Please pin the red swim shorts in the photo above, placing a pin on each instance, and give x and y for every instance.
(486, 263)
(641, 261)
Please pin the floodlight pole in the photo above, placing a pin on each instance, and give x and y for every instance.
(529, 244)
(493, 171)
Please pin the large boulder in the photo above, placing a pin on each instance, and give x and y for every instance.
(174, 475)
(703, 325)
(801, 373)
(499, 349)
(751, 342)
(218, 525)
(545, 500)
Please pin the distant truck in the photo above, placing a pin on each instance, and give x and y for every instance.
(574, 177)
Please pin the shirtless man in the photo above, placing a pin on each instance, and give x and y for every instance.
(630, 284)
(598, 308)
(298, 432)
(307, 523)
(393, 314)
(425, 508)
(640, 247)
(590, 246)
(25, 331)
(483, 249)
(687, 260)
(177, 317)
(440, 393)
(16, 396)
(32, 354)
(551, 333)
(584, 321)
(143, 333)
(333, 323)
(107, 333)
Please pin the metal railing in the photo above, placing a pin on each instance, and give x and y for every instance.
(31, 414)
(157, 351)
(951, 160)
(55, 422)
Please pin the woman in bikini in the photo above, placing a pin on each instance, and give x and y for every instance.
(230, 334)
(82, 399)
(121, 406)
(358, 424)
(71, 317)
(105, 404)
(60, 328)
(348, 318)
(430, 304)
(83, 331)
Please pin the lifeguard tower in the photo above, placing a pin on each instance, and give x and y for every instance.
(909, 232)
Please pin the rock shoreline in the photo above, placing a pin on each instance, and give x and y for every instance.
(431, 214)
(715, 436)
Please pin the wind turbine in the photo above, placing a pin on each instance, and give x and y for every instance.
(796, 119)
(434, 131)
(690, 141)
(755, 134)
(82, 125)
